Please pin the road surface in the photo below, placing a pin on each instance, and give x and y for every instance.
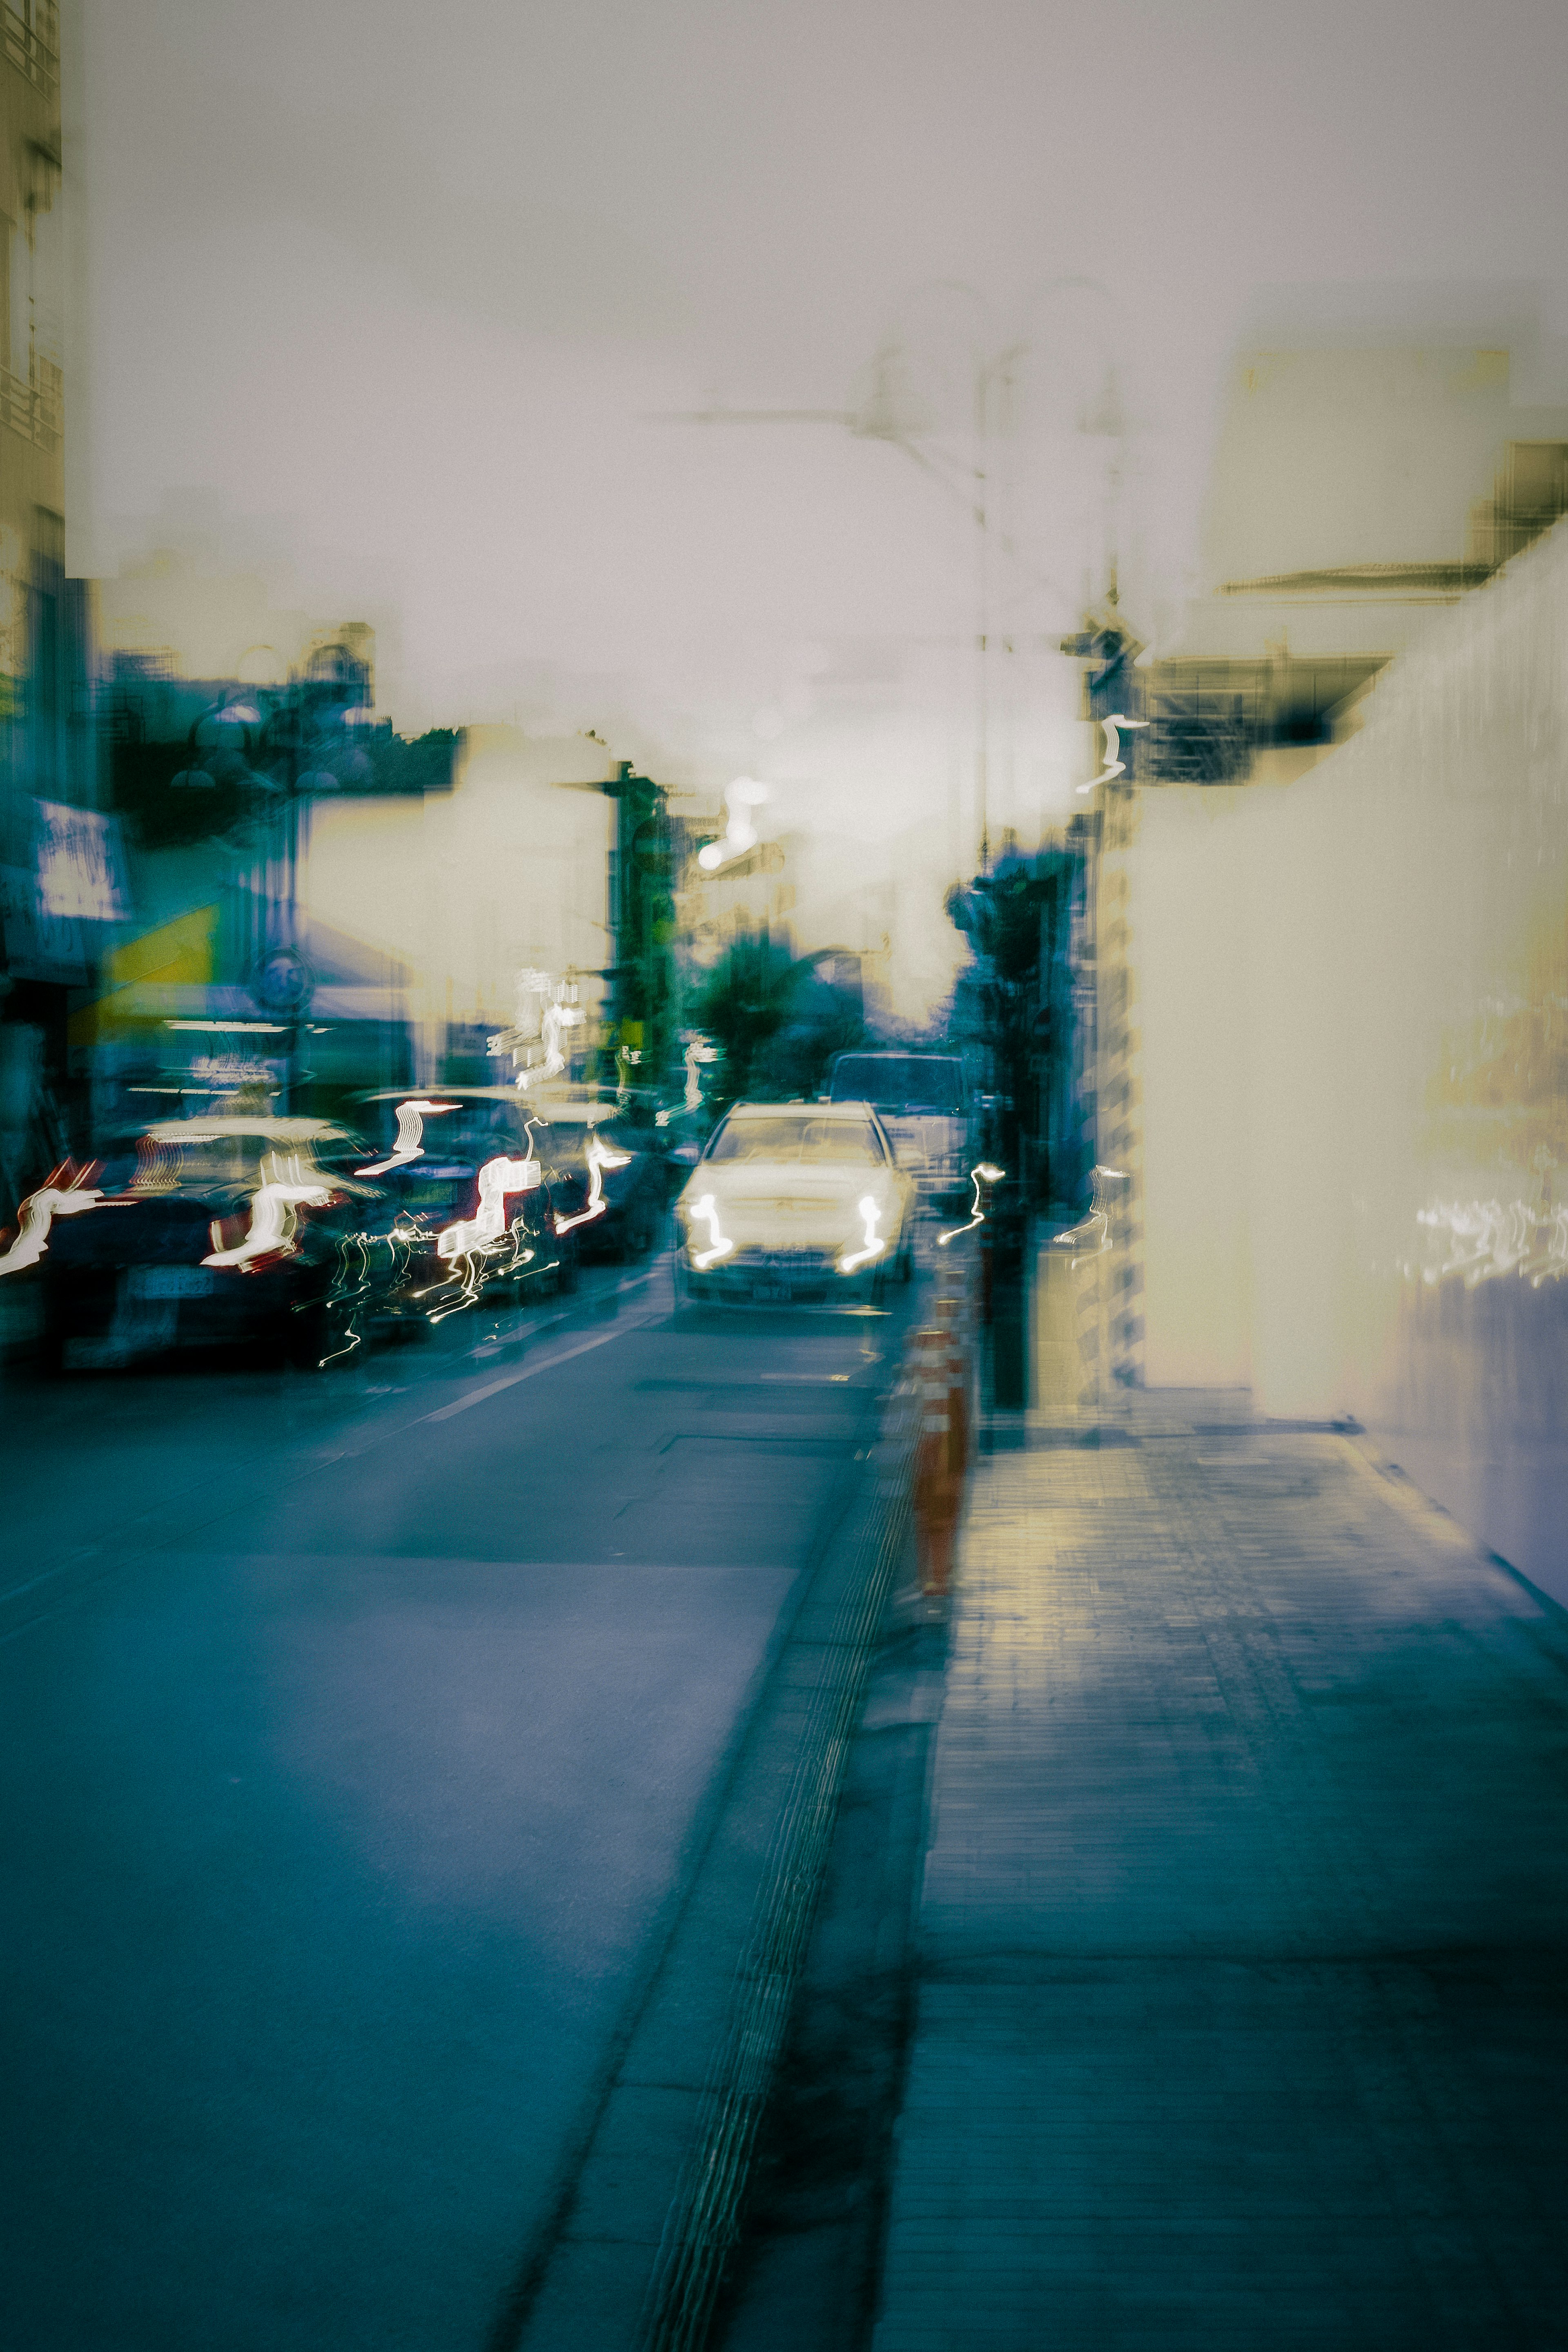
(357, 1730)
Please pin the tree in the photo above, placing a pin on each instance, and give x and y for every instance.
(743, 1004)
(1015, 921)
(1011, 918)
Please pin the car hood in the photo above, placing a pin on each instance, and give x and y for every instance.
(769, 1180)
(779, 1201)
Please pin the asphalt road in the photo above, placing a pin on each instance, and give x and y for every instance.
(356, 1730)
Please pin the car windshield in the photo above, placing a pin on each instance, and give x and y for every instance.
(826, 1140)
(901, 1083)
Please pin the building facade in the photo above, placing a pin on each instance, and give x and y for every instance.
(1332, 1048)
(62, 880)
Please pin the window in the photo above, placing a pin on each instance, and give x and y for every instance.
(811, 1142)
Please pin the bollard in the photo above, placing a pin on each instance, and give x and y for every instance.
(940, 1362)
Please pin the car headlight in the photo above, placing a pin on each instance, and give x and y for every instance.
(873, 1242)
(706, 1240)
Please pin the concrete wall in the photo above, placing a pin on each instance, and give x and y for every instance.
(1351, 1024)
(1189, 942)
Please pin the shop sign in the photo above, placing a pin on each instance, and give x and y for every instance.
(78, 865)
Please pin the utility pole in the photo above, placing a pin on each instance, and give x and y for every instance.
(641, 913)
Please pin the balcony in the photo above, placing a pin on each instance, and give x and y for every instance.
(33, 409)
(30, 35)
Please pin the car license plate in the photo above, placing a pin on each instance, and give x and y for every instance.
(169, 1282)
(769, 1290)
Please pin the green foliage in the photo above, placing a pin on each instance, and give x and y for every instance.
(777, 1022)
(418, 763)
(743, 1004)
(796, 1061)
(1000, 913)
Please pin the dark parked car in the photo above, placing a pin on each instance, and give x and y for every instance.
(205, 1233)
(473, 1199)
(612, 1171)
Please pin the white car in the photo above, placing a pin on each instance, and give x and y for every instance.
(795, 1201)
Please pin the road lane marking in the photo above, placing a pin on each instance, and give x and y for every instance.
(636, 1281)
(527, 1371)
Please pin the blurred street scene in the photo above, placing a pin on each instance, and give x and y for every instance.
(783, 1232)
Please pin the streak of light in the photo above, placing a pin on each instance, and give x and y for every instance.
(498, 1177)
(740, 832)
(1484, 1240)
(1114, 764)
(985, 1173)
(875, 1244)
(1098, 1220)
(698, 1052)
(410, 1144)
(274, 1214)
(707, 1208)
(38, 1211)
(600, 1157)
(556, 1018)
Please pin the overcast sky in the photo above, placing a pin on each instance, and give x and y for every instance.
(411, 280)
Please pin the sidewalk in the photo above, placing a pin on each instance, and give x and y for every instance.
(1241, 2018)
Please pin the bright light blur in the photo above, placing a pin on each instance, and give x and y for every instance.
(718, 1246)
(497, 1177)
(410, 1143)
(600, 1157)
(874, 1244)
(36, 1215)
(284, 1188)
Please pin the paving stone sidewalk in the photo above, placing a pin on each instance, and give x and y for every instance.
(1242, 2018)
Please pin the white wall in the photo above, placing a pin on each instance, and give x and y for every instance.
(1188, 939)
(1350, 993)
(508, 871)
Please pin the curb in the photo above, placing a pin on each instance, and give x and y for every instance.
(703, 2223)
(645, 2229)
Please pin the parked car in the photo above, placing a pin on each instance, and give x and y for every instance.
(611, 1183)
(202, 1232)
(795, 1201)
(923, 1103)
(471, 1200)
